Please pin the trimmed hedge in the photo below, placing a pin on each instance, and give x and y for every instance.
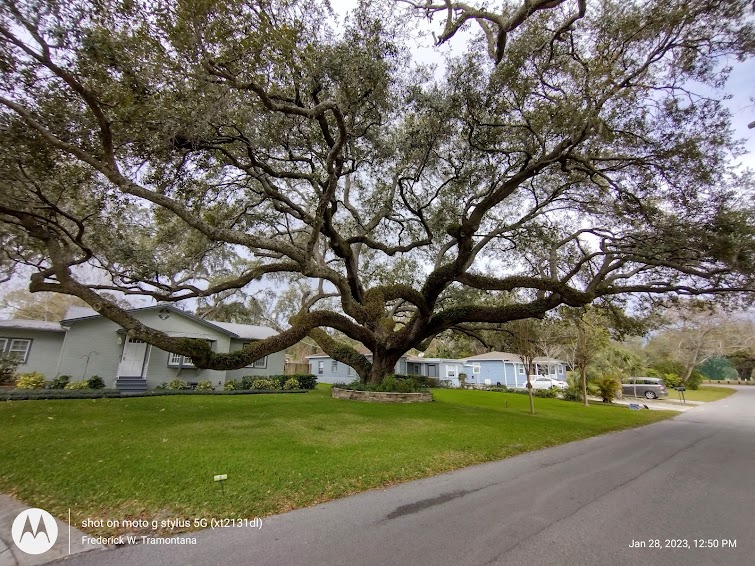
(306, 380)
(33, 394)
(49, 394)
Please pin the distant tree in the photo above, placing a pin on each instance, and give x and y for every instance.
(524, 340)
(587, 335)
(744, 363)
(696, 332)
(38, 306)
(718, 367)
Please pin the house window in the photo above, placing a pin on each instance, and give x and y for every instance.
(320, 368)
(451, 371)
(259, 364)
(521, 370)
(334, 366)
(177, 360)
(16, 348)
(560, 369)
(349, 370)
(475, 368)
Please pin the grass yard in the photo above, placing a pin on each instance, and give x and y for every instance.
(705, 393)
(154, 458)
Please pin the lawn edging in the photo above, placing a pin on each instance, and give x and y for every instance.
(381, 396)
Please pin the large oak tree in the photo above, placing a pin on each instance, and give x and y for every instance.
(570, 153)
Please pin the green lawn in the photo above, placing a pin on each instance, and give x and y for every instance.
(155, 457)
(705, 393)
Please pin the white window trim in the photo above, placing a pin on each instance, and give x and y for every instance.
(334, 366)
(476, 368)
(179, 361)
(520, 367)
(349, 370)
(3, 344)
(8, 347)
(320, 367)
(452, 371)
(259, 364)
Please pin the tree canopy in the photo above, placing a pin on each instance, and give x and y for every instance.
(568, 153)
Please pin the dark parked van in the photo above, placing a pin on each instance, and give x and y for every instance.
(648, 387)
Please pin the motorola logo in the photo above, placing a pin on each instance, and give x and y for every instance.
(34, 531)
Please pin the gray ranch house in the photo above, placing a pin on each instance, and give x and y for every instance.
(328, 370)
(484, 370)
(86, 344)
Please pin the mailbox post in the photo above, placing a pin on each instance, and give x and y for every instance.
(681, 391)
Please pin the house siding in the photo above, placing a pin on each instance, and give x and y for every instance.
(275, 364)
(96, 338)
(44, 352)
(341, 374)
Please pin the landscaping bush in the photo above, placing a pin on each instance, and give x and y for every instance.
(306, 380)
(178, 384)
(96, 382)
(231, 385)
(204, 385)
(608, 388)
(60, 382)
(246, 382)
(390, 384)
(291, 384)
(694, 380)
(8, 366)
(77, 385)
(544, 393)
(33, 380)
(264, 384)
(41, 394)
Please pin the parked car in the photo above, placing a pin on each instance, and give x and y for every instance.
(648, 387)
(543, 382)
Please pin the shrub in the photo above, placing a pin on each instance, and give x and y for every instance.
(265, 384)
(290, 384)
(246, 382)
(306, 380)
(77, 385)
(178, 384)
(8, 366)
(33, 380)
(204, 385)
(608, 388)
(694, 380)
(60, 382)
(231, 385)
(96, 382)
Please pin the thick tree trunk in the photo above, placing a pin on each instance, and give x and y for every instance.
(583, 379)
(382, 365)
(531, 396)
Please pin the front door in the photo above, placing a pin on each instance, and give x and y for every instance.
(132, 362)
(432, 370)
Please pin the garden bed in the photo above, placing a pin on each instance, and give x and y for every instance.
(381, 396)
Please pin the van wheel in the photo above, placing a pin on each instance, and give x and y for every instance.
(651, 395)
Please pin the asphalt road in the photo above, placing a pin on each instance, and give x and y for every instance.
(682, 481)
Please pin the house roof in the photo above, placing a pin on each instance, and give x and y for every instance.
(234, 330)
(361, 349)
(32, 325)
(507, 357)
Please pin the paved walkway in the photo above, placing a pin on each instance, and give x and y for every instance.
(11, 555)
